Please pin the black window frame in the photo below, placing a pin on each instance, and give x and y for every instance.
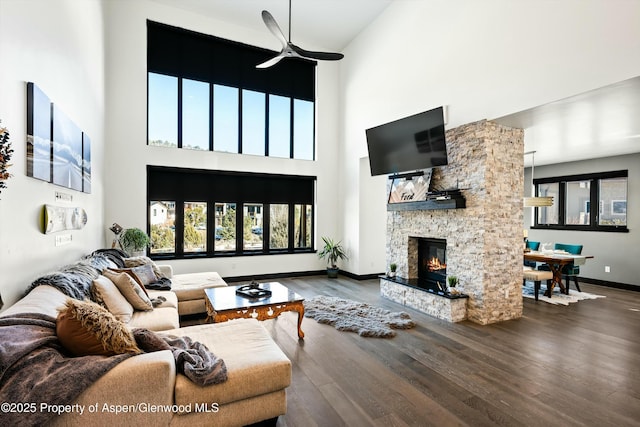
(594, 198)
(182, 185)
(185, 54)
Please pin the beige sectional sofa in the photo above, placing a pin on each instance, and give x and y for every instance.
(189, 288)
(150, 390)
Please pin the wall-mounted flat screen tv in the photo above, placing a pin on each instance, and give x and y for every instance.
(408, 144)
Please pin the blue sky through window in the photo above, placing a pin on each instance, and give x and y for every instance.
(253, 122)
(195, 114)
(225, 118)
(162, 109)
(279, 126)
(302, 130)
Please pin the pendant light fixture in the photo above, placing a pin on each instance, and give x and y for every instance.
(533, 201)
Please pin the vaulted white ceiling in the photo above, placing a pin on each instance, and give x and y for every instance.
(326, 24)
(599, 123)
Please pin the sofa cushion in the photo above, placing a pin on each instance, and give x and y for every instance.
(143, 260)
(133, 275)
(158, 319)
(43, 299)
(131, 290)
(84, 328)
(107, 294)
(170, 299)
(255, 363)
(191, 286)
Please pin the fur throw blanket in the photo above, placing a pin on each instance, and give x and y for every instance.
(35, 369)
(193, 359)
(73, 280)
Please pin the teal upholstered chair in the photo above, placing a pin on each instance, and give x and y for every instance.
(569, 270)
(534, 247)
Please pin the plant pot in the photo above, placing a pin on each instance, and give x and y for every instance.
(391, 274)
(332, 273)
(453, 291)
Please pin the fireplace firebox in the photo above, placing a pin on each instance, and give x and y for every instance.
(432, 262)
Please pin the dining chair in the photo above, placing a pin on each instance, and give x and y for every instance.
(537, 276)
(569, 270)
(534, 247)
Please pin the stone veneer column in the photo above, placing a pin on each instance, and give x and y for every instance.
(484, 240)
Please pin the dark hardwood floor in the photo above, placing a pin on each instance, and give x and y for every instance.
(576, 365)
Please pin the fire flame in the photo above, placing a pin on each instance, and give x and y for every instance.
(434, 264)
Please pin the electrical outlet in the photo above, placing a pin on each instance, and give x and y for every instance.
(607, 269)
(63, 239)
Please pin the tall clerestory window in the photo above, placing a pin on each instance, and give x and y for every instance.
(204, 93)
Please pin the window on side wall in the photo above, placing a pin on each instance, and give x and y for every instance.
(587, 202)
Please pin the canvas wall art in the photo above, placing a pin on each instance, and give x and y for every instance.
(67, 151)
(38, 133)
(86, 163)
(58, 151)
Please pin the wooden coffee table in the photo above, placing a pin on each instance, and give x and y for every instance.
(224, 304)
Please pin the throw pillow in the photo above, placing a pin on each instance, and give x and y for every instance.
(143, 260)
(134, 276)
(108, 295)
(130, 289)
(84, 329)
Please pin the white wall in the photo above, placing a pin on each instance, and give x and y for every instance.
(57, 44)
(483, 59)
(128, 153)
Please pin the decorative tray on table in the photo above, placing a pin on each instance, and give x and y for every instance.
(252, 291)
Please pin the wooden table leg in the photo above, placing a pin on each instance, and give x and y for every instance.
(299, 308)
(556, 269)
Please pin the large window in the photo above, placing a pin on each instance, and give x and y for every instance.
(205, 93)
(590, 202)
(266, 214)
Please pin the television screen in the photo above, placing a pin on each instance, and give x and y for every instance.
(412, 143)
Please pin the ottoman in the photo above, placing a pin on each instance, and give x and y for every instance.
(189, 288)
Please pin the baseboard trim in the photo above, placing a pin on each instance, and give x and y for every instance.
(617, 285)
(361, 276)
(263, 277)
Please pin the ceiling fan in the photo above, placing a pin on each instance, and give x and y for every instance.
(290, 50)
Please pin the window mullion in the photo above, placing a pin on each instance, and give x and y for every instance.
(180, 112)
(266, 227)
(266, 125)
(595, 203)
(291, 123)
(239, 121)
(291, 227)
(211, 107)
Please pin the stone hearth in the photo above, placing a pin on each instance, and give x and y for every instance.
(484, 240)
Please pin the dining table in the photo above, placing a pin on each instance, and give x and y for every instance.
(556, 260)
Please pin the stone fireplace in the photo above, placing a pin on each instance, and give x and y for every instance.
(481, 244)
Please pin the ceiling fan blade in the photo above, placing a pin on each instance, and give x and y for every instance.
(271, 62)
(272, 25)
(323, 56)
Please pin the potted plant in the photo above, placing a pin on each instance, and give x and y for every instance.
(392, 269)
(332, 250)
(453, 282)
(134, 241)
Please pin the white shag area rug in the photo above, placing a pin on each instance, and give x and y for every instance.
(353, 316)
(557, 297)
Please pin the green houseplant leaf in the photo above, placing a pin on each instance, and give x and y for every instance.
(134, 239)
(332, 251)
